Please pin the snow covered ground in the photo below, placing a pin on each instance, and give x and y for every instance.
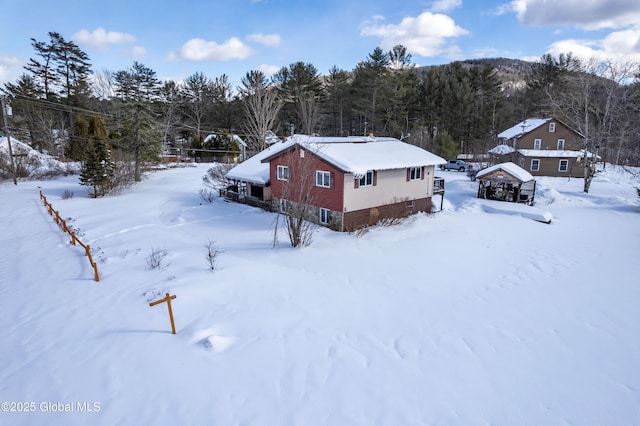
(461, 317)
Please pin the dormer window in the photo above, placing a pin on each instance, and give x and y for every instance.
(552, 127)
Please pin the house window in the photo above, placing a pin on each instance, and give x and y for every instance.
(415, 173)
(563, 166)
(537, 143)
(560, 143)
(323, 179)
(535, 165)
(552, 127)
(325, 216)
(282, 173)
(521, 162)
(367, 179)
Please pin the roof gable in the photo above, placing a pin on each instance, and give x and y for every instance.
(510, 168)
(253, 169)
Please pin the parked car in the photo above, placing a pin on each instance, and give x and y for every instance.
(458, 165)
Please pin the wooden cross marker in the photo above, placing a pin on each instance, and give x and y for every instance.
(167, 299)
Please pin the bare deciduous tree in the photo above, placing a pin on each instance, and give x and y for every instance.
(296, 205)
(261, 104)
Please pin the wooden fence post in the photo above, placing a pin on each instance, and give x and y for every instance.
(167, 299)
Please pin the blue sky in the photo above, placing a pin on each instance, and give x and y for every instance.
(232, 37)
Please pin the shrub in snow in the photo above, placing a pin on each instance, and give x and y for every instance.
(155, 260)
(207, 195)
(214, 179)
(67, 194)
(211, 254)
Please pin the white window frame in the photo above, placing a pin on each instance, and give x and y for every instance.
(323, 178)
(537, 143)
(367, 179)
(552, 127)
(560, 144)
(566, 166)
(324, 216)
(415, 173)
(535, 161)
(282, 172)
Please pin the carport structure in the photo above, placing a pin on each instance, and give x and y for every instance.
(506, 182)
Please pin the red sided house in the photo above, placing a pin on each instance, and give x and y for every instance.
(351, 182)
(545, 147)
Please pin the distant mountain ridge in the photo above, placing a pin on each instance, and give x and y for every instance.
(512, 72)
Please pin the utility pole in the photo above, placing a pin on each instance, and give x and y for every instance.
(6, 131)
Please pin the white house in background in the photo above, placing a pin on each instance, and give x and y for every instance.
(350, 182)
(237, 139)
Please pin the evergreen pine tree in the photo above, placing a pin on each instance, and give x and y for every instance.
(445, 145)
(98, 169)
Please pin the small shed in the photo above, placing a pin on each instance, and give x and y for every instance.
(506, 182)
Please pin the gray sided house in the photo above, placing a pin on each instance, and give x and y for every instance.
(544, 147)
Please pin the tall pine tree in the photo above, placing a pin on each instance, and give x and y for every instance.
(98, 168)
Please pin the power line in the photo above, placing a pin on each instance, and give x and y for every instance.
(60, 107)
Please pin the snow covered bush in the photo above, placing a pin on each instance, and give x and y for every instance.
(214, 179)
(207, 195)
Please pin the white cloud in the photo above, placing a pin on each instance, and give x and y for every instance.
(505, 8)
(590, 15)
(10, 67)
(137, 52)
(445, 5)
(102, 39)
(198, 49)
(424, 35)
(269, 69)
(270, 40)
(619, 45)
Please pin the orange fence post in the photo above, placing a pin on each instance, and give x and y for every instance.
(74, 239)
(167, 299)
(95, 271)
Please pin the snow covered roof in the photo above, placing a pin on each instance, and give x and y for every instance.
(358, 155)
(236, 138)
(552, 153)
(253, 170)
(509, 167)
(502, 150)
(523, 127)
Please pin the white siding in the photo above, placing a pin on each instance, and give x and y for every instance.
(391, 187)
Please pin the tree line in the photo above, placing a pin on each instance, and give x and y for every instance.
(107, 118)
